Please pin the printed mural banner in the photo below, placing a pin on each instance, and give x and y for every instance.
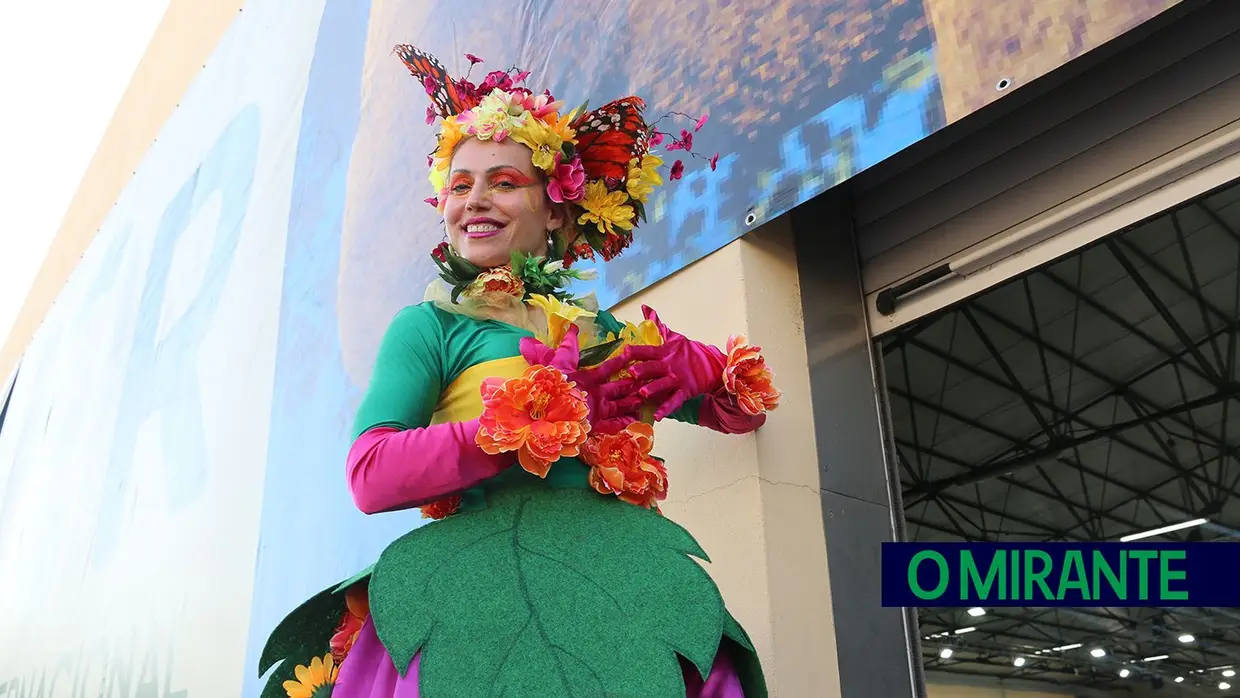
(171, 459)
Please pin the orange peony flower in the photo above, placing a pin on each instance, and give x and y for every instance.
(357, 609)
(495, 286)
(747, 376)
(442, 508)
(540, 414)
(621, 464)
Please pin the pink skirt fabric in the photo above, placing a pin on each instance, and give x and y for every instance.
(368, 672)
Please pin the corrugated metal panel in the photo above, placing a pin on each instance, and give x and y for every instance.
(1177, 87)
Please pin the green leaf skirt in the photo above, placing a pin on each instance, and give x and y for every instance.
(541, 592)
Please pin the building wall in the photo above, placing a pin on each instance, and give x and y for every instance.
(200, 334)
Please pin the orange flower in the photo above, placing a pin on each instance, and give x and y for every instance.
(540, 414)
(621, 464)
(495, 286)
(747, 376)
(442, 508)
(357, 608)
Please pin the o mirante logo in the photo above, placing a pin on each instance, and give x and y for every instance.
(1061, 574)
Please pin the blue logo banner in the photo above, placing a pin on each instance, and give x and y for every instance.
(1061, 574)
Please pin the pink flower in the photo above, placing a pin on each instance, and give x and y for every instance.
(473, 60)
(655, 139)
(430, 160)
(686, 140)
(496, 79)
(678, 169)
(714, 160)
(521, 76)
(567, 182)
(430, 115)
(540, 106)
(431, 86)
(432, 201)
(700, 123)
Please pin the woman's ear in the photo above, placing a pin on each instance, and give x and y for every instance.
(556, 215)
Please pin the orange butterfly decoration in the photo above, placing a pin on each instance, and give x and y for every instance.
(447, 95)
(610, 136)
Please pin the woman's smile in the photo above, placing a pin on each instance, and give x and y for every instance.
(479, 228)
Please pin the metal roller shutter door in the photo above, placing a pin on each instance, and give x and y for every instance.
(1149, 127)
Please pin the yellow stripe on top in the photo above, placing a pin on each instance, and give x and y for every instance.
(462, 400)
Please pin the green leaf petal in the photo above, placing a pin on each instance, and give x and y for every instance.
(548, 592)
(360, 576)
(305, 633)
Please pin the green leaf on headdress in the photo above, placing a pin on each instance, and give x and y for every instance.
(640, 209)
(517, 260)
(548, 592)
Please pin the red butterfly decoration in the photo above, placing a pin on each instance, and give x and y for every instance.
(610, 136)
(448, 97)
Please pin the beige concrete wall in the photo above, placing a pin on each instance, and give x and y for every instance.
(753, 501)
(938, 690)
(180, 46)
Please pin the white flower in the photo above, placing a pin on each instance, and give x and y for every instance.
(585, 274)
(552, 267)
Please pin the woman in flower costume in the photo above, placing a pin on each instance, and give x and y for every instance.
(521, 420)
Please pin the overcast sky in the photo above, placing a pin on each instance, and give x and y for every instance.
(64, 65)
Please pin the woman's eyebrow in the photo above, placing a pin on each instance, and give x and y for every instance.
(490, 170)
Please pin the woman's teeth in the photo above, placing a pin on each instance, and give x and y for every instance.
(482, 228)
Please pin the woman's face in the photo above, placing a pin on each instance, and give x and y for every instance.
(497, 203)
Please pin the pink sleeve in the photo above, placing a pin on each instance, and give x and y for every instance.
(391, 469)
(720, 412)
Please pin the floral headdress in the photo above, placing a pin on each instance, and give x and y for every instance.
(599, 162)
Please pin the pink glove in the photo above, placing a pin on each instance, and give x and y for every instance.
(613, 405)
(694, 368)
(391, 469)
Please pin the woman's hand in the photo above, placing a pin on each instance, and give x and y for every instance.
(690, 368)
(614, 404)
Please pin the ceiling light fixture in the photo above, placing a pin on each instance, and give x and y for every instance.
(1163, 529)
(977, 611)
(1123, 673)
(962, 631)
(1155, 658)
(1179, 679)
(1224, 686)
(1098, 652)
(1186, 638)
(945, 653)
(1019, 661)
(1229, 673)
(1065, 648)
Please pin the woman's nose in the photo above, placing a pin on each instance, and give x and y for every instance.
(478, 198)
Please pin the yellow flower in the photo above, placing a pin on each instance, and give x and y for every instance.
(606, 209)
(560, 126)
(450, 136)
(644, 334)
(559, 316)
(643, 177)
(541, 138)
(312, 680)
